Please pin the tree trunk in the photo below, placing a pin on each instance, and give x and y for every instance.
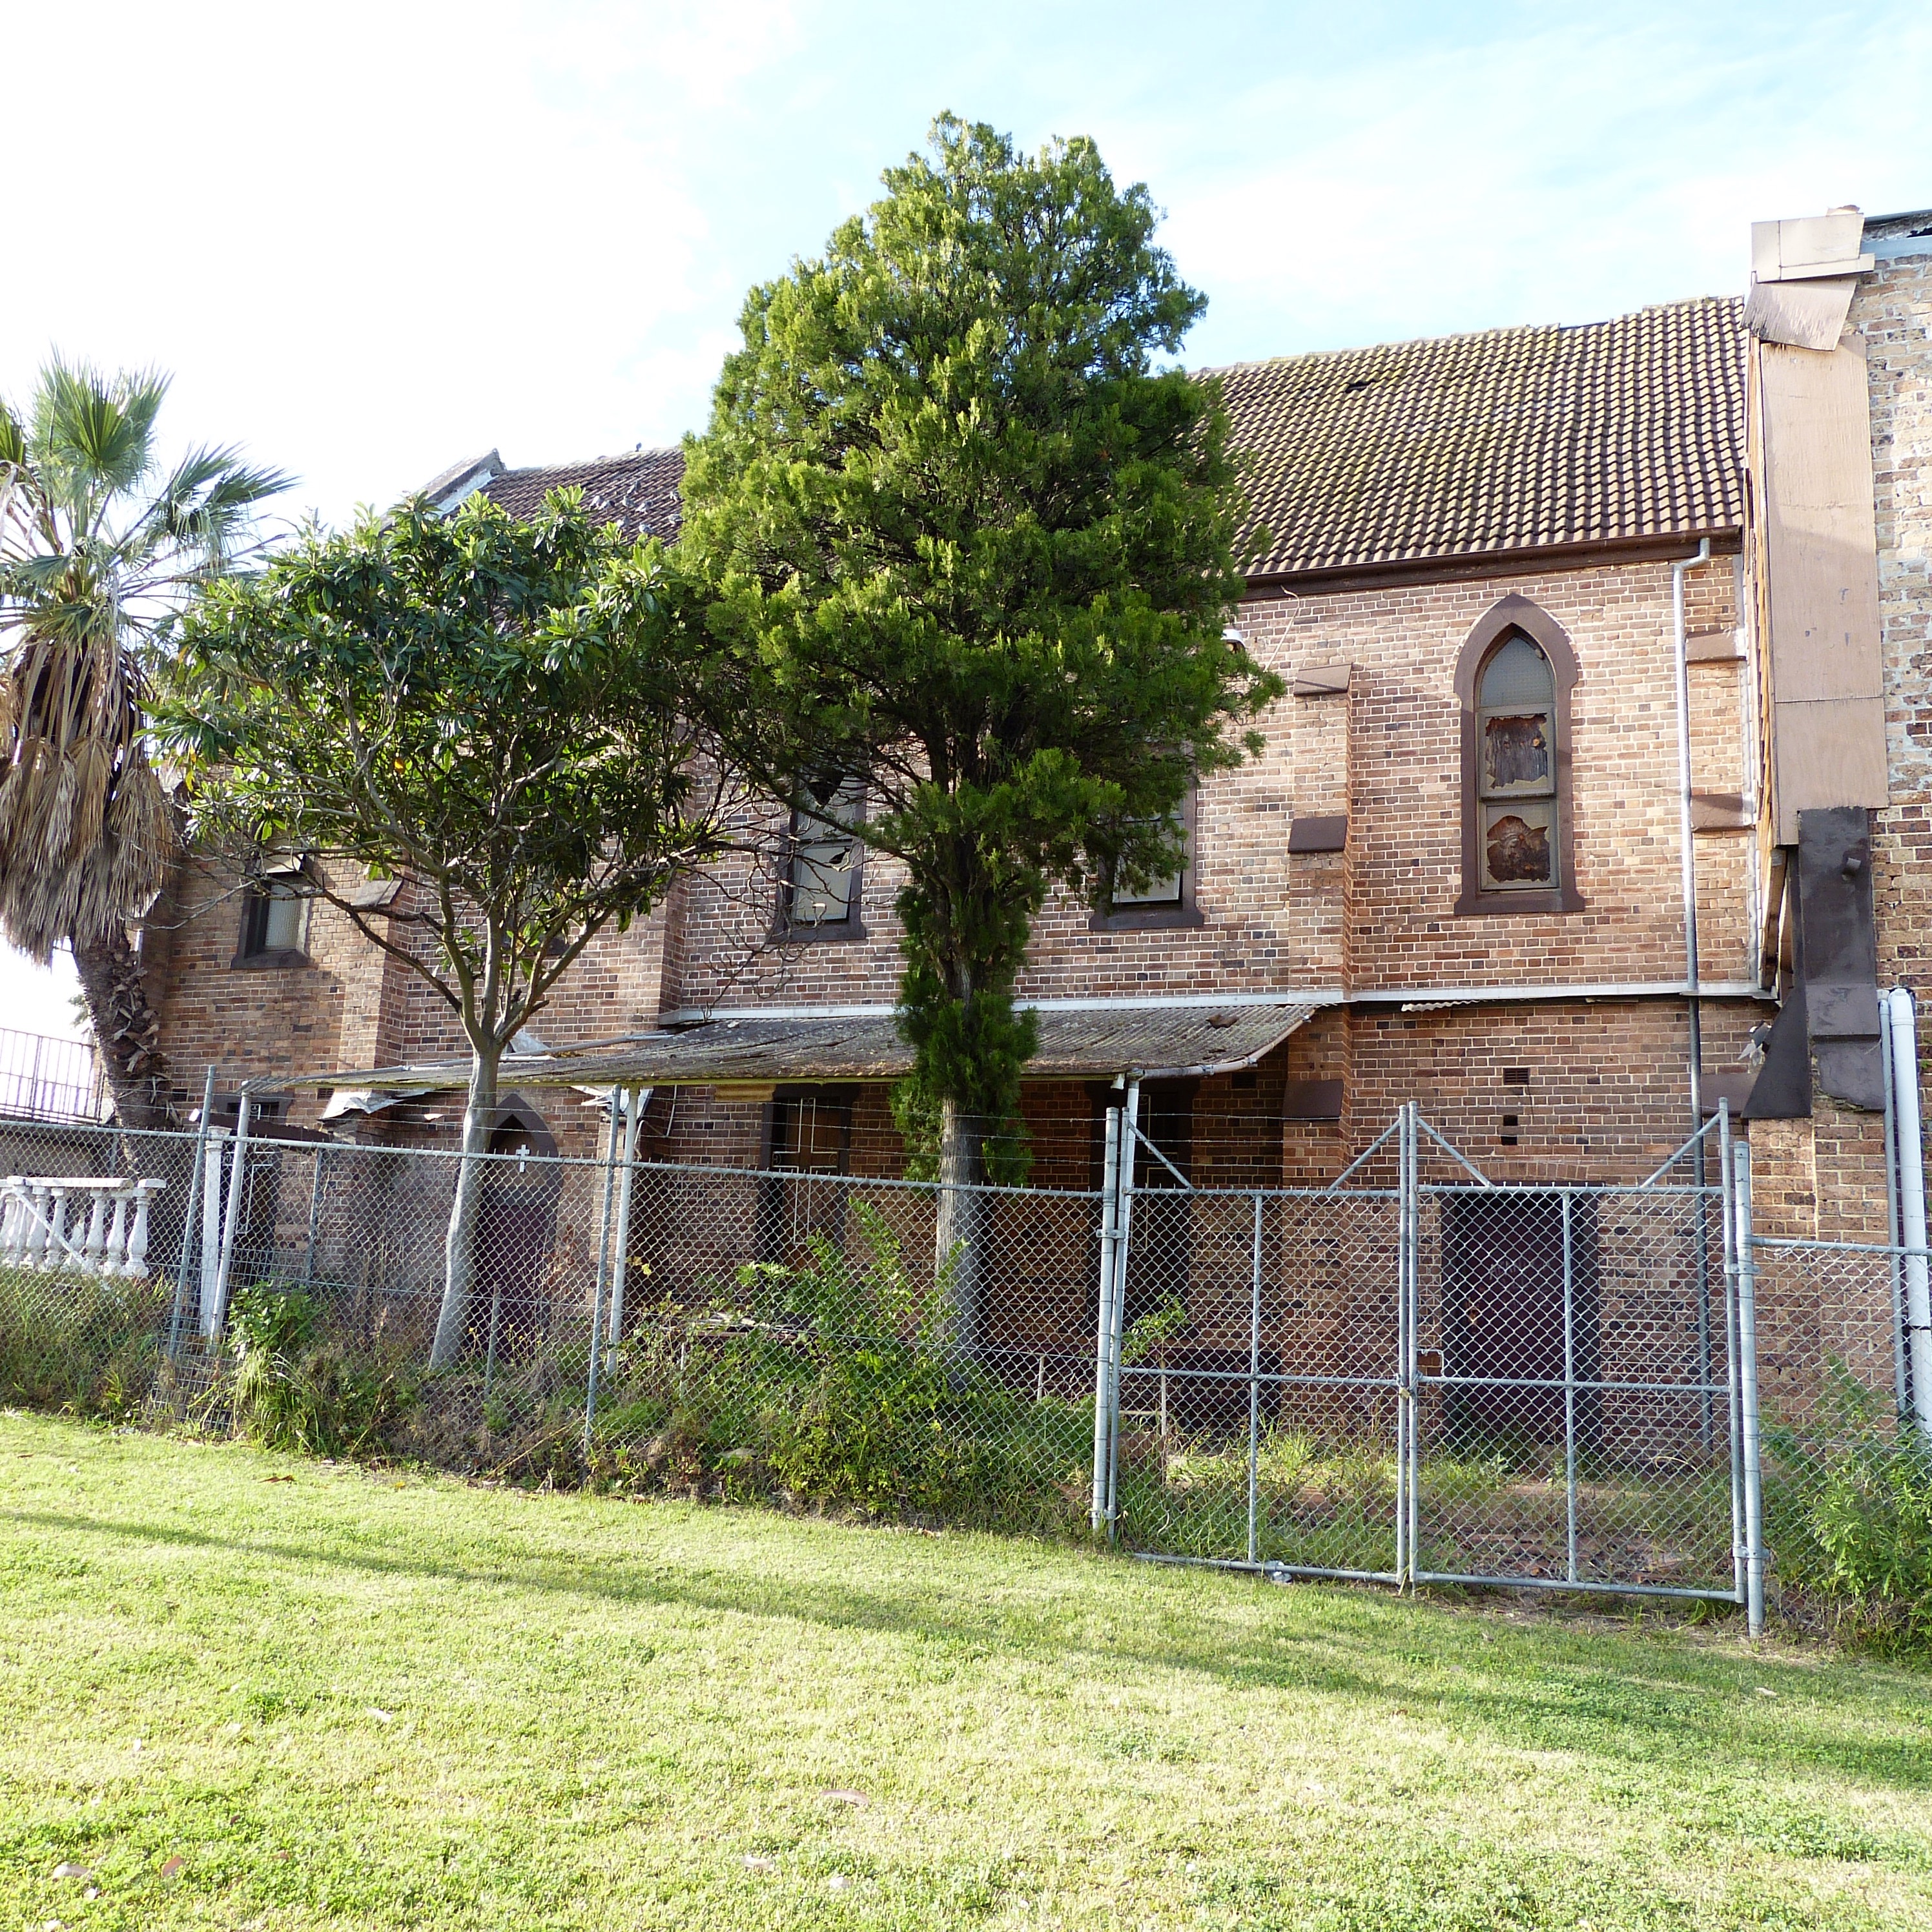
(962, 1223)
(127, 1035)
(459, 1265)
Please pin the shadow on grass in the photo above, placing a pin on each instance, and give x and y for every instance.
(1528, 1700)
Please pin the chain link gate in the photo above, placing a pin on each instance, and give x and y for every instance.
(1250, 1383)
(1417, 1375)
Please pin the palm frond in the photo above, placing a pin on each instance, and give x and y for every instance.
(94, 435)
(203, 506)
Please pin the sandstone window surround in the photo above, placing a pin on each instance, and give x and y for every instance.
(1513, 680)
(1161, 903)
(821, 897)
(275, 916)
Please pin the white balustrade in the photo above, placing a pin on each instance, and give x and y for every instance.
(34, 1233)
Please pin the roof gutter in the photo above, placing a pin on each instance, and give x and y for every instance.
(1726, 539)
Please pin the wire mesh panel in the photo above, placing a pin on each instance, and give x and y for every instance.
(1574, 1410)
(1845, 1424)
(1261, 1379)
(95, 1223)
(1393, 1377)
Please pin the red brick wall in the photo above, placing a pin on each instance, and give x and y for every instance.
(1608, 1079)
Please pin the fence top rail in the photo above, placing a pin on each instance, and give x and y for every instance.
(1647, 1190)
(1897, 1250)
(109, 1183)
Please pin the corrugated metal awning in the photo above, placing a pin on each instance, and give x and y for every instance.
(1152, 1043)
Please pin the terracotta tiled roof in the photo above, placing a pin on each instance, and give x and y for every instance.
(1511, 440)
(1458, 447)
(638, 493)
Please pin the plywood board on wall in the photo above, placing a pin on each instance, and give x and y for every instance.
(1821, 565)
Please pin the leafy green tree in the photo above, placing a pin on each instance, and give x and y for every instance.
(966, 538)
(495, 714)
(99, 546)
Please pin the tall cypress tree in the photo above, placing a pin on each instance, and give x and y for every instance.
(967, 540)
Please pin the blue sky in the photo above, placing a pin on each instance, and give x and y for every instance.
(369, 240)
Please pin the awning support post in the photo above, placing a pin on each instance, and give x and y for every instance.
(636, 1099)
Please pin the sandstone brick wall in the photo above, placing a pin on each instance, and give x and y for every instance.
(1893, 312)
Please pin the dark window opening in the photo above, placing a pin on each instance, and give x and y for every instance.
(275, 919)
(512, 1312)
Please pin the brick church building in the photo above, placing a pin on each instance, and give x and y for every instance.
(1608, 731)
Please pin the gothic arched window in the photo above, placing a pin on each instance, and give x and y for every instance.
(1514, 678)
(1517, 839)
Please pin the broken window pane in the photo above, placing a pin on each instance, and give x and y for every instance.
(825, 855)
(821, 883)
(1519, 845)
(1516, 751)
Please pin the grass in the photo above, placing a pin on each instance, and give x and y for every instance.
(249, 1690)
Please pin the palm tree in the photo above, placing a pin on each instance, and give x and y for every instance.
(99, 546)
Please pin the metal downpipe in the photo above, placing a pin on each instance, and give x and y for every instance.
(1903, 1071)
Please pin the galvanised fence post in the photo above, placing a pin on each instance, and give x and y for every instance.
(1255, 1392)
(188, 1220)
(1753, 1484)
(1110, 1190)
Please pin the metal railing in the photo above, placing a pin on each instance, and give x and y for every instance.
(45, 1078)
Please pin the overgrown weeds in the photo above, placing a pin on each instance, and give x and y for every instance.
(81, 1345)
(295, 1390)
(838, 1381)
(1848, 1511)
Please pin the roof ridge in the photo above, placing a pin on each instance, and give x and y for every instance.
(656, 454)
(1474, 335)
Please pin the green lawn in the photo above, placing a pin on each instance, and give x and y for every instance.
(244, 1691)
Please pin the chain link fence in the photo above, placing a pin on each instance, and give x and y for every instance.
(1410, 1375)
(1846, 1426)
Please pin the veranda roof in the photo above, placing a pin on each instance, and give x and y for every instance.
(1150, 1043)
